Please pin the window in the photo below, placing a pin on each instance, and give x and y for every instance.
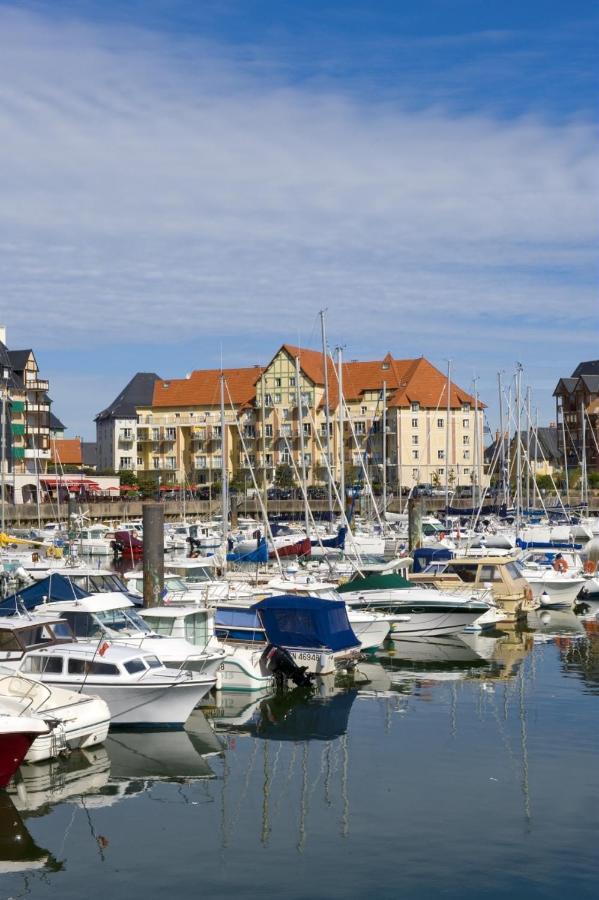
(307, 429)
(466, 454)
(489, 573)
(217, 432)
(249, 431)
(285, 456)
(286, 413)
(440, 423)
(268, 400)
(38, 664)
(285, 430)
(441, 471)
(414, 423)
(414, 438)
(415, 407)
(308, 459)
(196, 629)
(465, 407)
(126, 462)
(292, 381)
(161, 624)
(170, 434)
(277, 398)
(465, 572)
(465, 439)
(361, 428)
(155, 434)
(466, 470)
(135, 665)
(140, 462)
(82, 667)
(269, 459)
(200, 462)
(171, 462)
(268, 431)
(414, 454)
(363, 410)
(155, 463)
(440, 454)
(277, 382)
(465, 423)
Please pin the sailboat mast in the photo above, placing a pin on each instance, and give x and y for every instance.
(223, 460)
(567, 485)
(447, 417)
(327, 411)
(300, 428)
(341, 429)
(502, 441)
(518, 449)
(384, 454)
(583, 460)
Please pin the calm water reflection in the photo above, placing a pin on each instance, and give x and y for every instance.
(464, 767)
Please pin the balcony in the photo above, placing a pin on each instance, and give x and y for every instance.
(32, 454)
(36, 384)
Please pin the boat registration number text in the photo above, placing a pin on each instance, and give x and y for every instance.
(313, 656)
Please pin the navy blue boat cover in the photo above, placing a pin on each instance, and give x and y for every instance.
(424, 555)
(258, 555)
(291, 621)
(54, 587)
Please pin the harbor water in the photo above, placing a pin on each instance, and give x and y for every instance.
(466, 767)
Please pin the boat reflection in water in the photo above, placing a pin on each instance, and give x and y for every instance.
(39, 786)
(18, 850)
(455, 657)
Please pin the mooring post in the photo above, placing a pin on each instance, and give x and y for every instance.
(153, 526)
(414, 522)
(233, 510)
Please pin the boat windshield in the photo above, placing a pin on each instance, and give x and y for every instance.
(99, 584)
(174, 584)
(121, 620)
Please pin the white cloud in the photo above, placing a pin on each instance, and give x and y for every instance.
(154, 190)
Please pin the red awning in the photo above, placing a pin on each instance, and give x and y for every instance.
(71, 483)
(124, 488)
(170, 487)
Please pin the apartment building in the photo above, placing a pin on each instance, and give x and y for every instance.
(395, 420)
(25, 411)
(577, 401)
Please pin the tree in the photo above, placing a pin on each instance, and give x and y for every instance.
(128, 477)
(436, 480)
(147, 484)
(239, 481)
(284, 476)
(544, 482)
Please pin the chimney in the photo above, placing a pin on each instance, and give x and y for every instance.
(2, 334)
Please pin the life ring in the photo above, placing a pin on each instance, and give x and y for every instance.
(560, 565)
(590, 567)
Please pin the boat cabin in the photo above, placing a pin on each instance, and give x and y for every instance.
(21, 634)
(192, 623)
(110, 616)
(81, 662)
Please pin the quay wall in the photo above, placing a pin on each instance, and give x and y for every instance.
(23, 515)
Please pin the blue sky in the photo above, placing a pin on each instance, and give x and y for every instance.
(185, 181)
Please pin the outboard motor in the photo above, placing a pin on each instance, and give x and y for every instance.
(281, 664)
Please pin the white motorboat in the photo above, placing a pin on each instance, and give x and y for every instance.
(114, 618)
(75, 720)
(241, 668)
(137, 688)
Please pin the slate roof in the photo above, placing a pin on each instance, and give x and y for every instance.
(89, 453)
(138, 392)
(591, 367)
(4, 357)
(56, 424)
(19, 358)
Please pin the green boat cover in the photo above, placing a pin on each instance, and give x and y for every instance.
(375, 582)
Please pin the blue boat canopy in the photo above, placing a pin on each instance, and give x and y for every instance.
(55, 587)
(292, 621)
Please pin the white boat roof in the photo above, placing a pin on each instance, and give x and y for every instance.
(171, 612)
(116, 652)
(16, 622)
(189, 562)
(92, 604)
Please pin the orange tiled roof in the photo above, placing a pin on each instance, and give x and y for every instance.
(202, 388)
(66, 451)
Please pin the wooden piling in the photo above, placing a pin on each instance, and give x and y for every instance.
(153, 527)
(415, 506)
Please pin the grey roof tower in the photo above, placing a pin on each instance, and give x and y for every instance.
(138, 392)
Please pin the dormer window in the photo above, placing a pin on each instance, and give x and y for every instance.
(415, 406)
